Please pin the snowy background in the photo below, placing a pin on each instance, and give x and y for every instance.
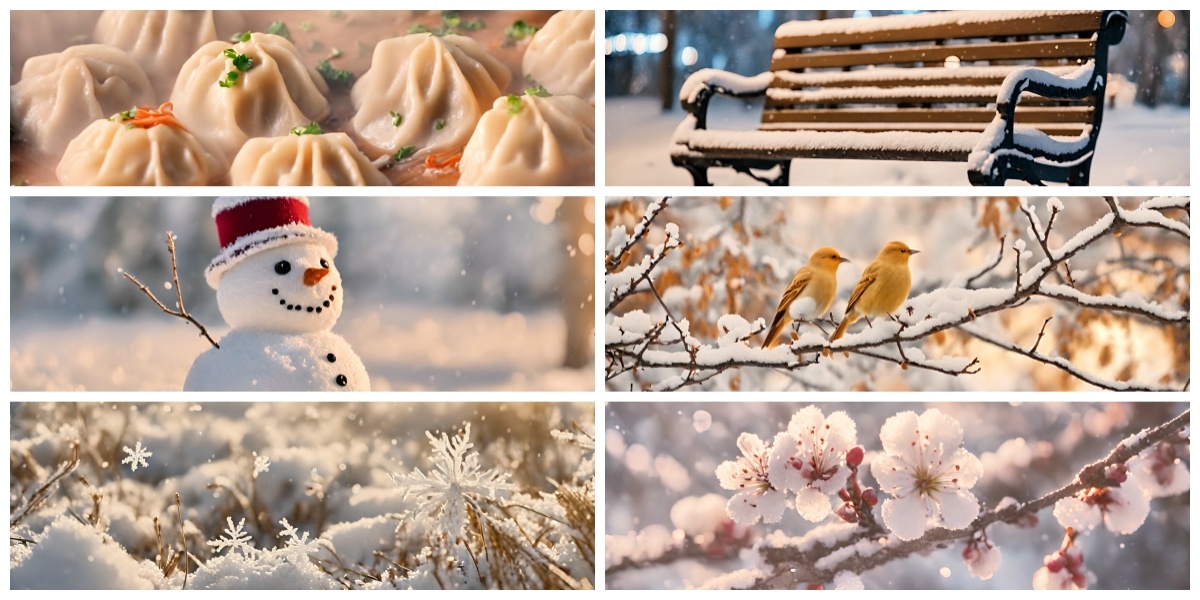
(1144, 139)
(661, 453)
(442, 293)
(324, 467)
(739, 254)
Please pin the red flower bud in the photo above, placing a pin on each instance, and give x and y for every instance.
(869, 495)
(854, 456)
(1116, 473)
(1054, 562)
(844, 495)
(846, 513)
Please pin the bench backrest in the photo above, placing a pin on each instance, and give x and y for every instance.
(938, 71)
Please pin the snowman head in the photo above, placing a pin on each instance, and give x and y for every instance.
(275, 271)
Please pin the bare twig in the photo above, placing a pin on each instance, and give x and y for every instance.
(182, 312)
(43, 493)
(613, 261)
(1038, 341)
(182, 540)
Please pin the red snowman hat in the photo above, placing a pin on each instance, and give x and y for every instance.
(249, 225)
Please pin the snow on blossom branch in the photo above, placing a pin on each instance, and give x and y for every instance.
(621, 243)
(922, 316)
(827, 551)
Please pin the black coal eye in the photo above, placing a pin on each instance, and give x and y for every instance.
(283, 267)
(324, 264)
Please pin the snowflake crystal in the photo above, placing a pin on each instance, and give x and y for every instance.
(137, 456)
(292, 540)
(262, 464)
(458, 480)
(237, 539)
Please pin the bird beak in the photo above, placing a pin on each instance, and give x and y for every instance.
(843, 259)
(911, 251)
(314, 276)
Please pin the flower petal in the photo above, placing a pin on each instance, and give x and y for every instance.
(959, 508)
(779, 466)
(727, 475)
(906, 516)
(899, 433)
(963, 466)
(843, 434)
(941, 429)
(771, 504)
(894, 475)
(1129, 510)
(743, 508)
(1074, 513)
(750, 445)
(812, 505)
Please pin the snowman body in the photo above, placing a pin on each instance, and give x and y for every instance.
(281, 294)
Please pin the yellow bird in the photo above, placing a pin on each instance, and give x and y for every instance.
(810, 294)
(882, 289)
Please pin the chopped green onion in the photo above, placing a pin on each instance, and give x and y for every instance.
(311, 129)
(537, 90)
(517, 32)
(451, 18)
(397, 118)
(242, 62)
(128, 114)
(514, 104)
(336, 78)
(439, 124)
(337, 14)
(475, 25)
(231, 79)
(403, 153)
(240, 37)
(418, 28)
(280, 29)
(307, 26)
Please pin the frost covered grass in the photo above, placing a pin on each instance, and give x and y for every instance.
(897, 496)
(1008, 293)
(302, 496)
(1137, 146)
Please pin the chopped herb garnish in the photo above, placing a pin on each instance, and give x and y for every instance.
(475, 25)
(129, 126)
(537, 90)
(450, 19)
(241, 62)
(337, 14)
(403, 153)
(311, 129)
(336, 78)
(240, 37)
(335, 53)
(126, 114)
(280, 29)
(514, 104)
(517, 32)
(315, 46)
(307, 26)
(397, 118)
(439, 124)
(419, 28)
(231, 79)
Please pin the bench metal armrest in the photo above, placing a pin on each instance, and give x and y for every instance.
(699, 88)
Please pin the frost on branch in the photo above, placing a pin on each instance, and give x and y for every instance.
(1082, 294)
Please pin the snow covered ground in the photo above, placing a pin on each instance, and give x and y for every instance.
(414, 348)
(1138, 146)
(290, 495)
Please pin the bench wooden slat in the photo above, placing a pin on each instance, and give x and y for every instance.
(903, 77)
(965, 52)
(1044, 24)
(1048, 128)
(1080, 114)
(982, 95)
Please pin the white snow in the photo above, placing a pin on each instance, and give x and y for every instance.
(730, 82)
(900, 22)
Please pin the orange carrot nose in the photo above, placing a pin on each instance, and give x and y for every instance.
(313, 276)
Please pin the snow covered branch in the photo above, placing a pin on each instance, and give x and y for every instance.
(638, 341)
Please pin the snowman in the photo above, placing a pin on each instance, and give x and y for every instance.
(279, 290)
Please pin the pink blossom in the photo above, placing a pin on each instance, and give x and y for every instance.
(1122, 508)
(1062, 570)
(982, 558)
(1160, 471)
(756, 497)
(810, 459)
(927, 473)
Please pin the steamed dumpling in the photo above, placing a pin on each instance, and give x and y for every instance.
(61, 94)
(427, 80)
(302, 160)
(548, 141)
(114, 153)
(161, 40)
(562, 55)
(276, 94)
(37, 32)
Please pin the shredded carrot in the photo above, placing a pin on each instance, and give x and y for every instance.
(149, 117)
(434, 161)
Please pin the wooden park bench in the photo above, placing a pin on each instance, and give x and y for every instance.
(1014, 94)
